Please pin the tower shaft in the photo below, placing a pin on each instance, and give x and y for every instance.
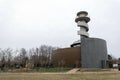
(82, 20)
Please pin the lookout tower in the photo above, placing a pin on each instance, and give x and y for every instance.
(86, 52)
(82, 19)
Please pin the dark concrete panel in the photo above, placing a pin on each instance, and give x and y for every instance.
(93, 53)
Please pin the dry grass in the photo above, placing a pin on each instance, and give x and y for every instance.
(61, 76)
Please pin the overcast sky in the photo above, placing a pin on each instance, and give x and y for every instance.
(31, 23)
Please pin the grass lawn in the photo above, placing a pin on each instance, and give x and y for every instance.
(51, 70)
(80, 76)
(38, 70)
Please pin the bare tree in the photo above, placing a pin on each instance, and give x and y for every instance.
(6, 59)
(23, 57)
(39, 57)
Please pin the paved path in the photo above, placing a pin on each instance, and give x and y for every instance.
(74, 70)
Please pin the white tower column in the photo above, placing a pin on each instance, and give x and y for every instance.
(82, 20)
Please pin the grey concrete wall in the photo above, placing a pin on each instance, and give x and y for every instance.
(93, 53)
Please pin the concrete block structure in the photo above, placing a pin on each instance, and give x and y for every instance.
(91, 52)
